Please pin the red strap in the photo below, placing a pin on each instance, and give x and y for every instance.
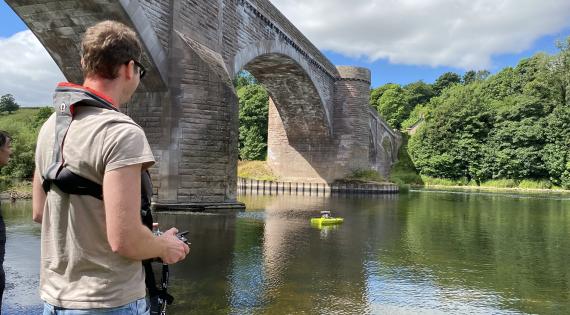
(101, 95)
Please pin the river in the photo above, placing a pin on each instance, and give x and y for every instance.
(416, 253)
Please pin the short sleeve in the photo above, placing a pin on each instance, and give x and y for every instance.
(126, 144)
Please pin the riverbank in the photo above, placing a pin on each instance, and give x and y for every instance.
(17, 191)
(489, 189)
(23, 190)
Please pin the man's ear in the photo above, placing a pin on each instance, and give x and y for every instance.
(130, 70)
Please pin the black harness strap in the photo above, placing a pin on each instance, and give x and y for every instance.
(159, 297)
(66, 99)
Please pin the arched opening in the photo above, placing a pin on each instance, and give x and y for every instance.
(282, 119)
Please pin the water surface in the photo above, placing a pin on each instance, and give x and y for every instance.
(416, 253)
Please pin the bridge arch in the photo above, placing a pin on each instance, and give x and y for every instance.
(288, 78)
(60, 26)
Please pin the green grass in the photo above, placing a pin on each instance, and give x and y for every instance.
(258, 170)
(535, 184)
(433, 181)
(500, 183)
(21, 114)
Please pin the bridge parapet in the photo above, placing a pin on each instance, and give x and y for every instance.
(384, 144)
(274, 18)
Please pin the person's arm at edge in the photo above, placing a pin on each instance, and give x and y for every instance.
(125, 232)
(38, 198)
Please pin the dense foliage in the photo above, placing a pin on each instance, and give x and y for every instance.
(253, 117)
(513, 125)
(23, 126)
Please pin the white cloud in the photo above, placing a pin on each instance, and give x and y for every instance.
(27, 71)
(458, 33)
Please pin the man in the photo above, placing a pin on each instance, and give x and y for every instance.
(92, 247)
(5, 153)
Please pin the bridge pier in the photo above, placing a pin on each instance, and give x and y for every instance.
(197, 149)
(325, 158)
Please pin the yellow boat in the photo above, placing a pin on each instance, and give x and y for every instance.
(326, 219)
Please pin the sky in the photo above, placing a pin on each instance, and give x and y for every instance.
(400, 41)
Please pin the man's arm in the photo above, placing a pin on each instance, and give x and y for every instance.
(38, 198)
(126, 234)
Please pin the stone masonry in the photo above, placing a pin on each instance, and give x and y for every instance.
(321, 126)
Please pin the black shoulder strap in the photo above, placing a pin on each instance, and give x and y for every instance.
(66, 100)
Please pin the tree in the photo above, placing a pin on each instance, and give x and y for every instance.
(8, 104)
(482, 75)
(512, 125)
(517, 140)
(446, 80)
(472, 76)
(253, 120)
(562, 71)
(418, 93)
(502, 84)
(557, 149)
(451, 142)
(394, 107)
(244, 78)
(376, 93)
(469, 77)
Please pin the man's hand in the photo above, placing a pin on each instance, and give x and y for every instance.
(174, 250)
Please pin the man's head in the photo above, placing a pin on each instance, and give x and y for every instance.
(111, 51)
(5, 148)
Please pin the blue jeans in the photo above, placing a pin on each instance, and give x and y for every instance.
(138, 307)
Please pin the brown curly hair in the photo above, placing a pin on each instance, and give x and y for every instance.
(106, 46)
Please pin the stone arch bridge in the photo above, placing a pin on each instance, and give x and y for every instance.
(321, 127)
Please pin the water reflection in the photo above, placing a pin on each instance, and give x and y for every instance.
(435, 253)
(22, 261)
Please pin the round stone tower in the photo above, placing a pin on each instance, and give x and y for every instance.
(351, 120)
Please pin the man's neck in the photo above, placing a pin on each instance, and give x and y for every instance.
(106, 87)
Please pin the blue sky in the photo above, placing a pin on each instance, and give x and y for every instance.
(400, 41)
(10, 23)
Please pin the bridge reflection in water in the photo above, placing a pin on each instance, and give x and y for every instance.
(412, 253)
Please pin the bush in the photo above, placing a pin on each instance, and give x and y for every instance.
(501, 183)
(23, 126)
(404, 171)
(434, 181)
(535, 184)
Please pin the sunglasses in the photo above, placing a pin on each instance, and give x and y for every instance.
(142, 70)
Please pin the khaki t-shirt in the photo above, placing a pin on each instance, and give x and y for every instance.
(78, 268)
